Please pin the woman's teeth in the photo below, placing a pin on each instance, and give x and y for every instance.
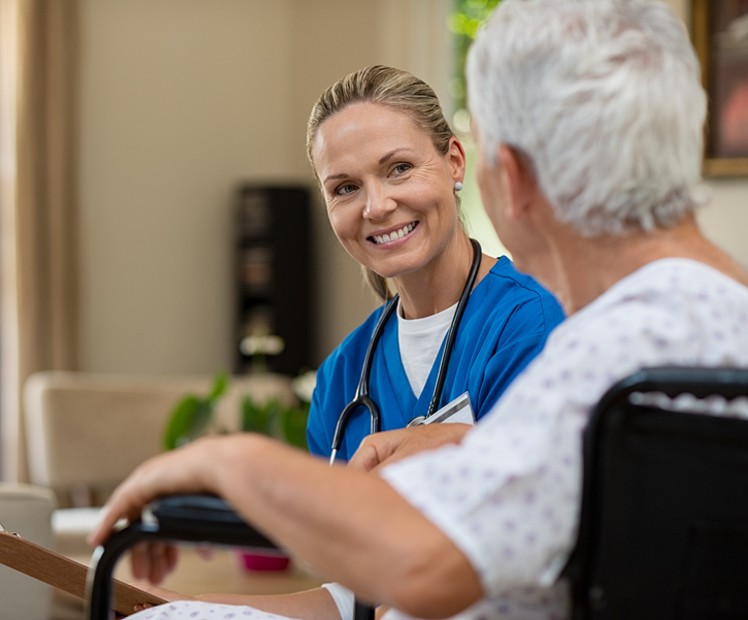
(395, 234)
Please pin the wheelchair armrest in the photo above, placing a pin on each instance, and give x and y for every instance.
(188, 518)
(203, 518)
(213, 517)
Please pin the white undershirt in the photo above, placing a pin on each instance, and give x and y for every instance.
(420, 340)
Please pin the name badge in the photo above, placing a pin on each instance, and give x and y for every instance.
(459, 410)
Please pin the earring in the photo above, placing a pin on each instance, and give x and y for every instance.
(458, 186)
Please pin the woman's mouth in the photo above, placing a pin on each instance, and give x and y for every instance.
(394, 235)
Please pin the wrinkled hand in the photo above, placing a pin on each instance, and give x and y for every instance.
(179, 471)
(153, 561)
(388, 447)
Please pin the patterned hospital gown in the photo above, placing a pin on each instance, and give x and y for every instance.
(508, 496)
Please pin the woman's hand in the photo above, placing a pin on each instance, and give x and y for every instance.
(387, 447)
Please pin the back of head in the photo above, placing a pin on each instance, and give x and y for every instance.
(604, 99)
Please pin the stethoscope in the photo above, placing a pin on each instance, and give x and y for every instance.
(361, 397)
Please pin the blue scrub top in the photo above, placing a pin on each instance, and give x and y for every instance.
(505, 325)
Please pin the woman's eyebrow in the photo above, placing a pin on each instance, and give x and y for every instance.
(383, 159)
(332, 177)
(387, 156)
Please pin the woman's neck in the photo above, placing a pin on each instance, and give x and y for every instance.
(432, 290)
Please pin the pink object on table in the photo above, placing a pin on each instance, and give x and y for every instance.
(264, 561)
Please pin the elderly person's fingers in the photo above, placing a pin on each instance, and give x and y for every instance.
(178, 471)
(153, 560)
(376, 448)
(388, 447)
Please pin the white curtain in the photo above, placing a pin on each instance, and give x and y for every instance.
(38, 328)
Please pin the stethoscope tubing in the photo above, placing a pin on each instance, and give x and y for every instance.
(361, 397)
(452, 333)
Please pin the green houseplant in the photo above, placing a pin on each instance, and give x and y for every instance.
(194, 415)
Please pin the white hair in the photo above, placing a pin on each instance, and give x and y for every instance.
(603, 97)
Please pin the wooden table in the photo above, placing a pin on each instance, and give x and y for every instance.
(222, 572)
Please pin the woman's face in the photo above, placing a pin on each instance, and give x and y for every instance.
(389, 192)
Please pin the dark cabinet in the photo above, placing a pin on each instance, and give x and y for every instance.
(274, 279)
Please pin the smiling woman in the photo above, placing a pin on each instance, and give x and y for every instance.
(390, 200)
(390, 168)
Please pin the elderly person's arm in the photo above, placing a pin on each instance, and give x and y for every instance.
(346, 524)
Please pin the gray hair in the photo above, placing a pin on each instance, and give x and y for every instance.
(603, 97)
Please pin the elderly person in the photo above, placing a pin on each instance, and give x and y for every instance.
(589, 118)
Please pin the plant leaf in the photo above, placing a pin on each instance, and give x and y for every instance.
(220, 383)
(181, 421)
(293, 426)
(256, 418)
(200, 421)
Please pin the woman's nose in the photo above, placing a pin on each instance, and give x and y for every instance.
(378, 203)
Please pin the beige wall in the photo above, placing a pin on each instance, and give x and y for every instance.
(183, 99)
(180, 101)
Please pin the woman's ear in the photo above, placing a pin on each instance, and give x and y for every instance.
(456, 154)
(519, 180)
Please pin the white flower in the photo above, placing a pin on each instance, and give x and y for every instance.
(303, 385)
(262, 345)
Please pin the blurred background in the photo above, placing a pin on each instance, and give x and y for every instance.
(136, 133)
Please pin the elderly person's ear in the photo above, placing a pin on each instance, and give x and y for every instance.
(518, 179)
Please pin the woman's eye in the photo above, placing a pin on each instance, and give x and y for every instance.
(402, 168)
(346, 188)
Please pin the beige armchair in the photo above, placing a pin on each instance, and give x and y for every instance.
(87, 431)
(27, 510)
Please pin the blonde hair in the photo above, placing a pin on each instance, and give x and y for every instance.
(390, 87)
